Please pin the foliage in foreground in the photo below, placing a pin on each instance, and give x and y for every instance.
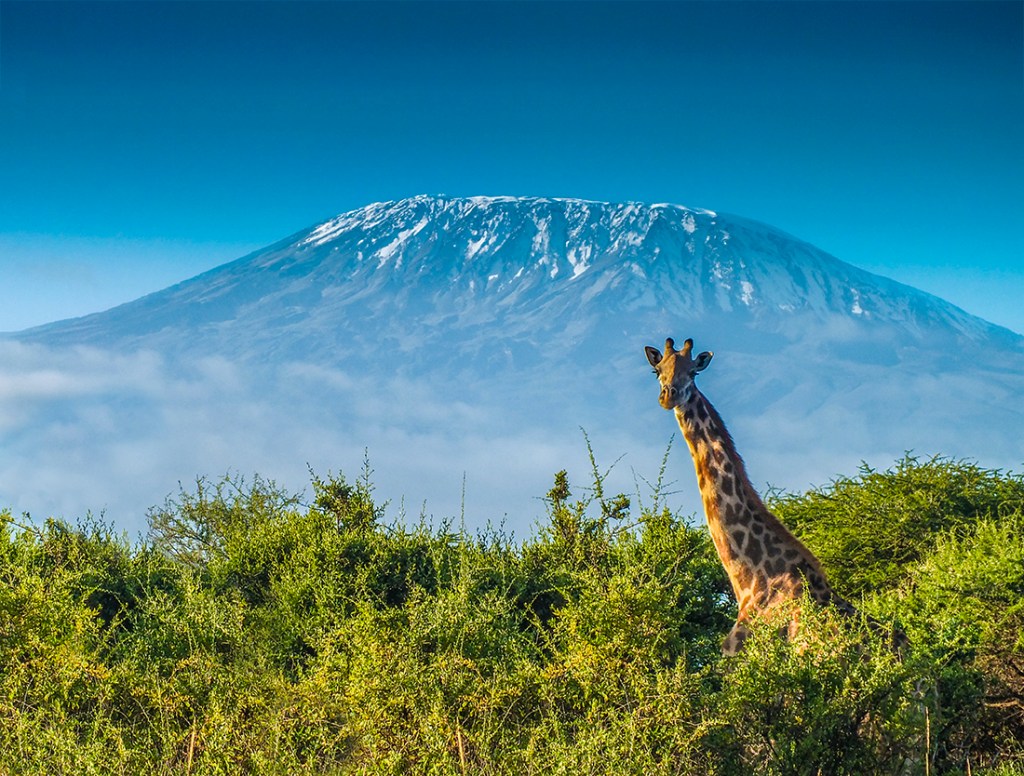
(251, 634)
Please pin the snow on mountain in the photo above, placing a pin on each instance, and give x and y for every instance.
(533, 264)
(477, 335)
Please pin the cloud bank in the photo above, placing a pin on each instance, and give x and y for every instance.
(88, 430)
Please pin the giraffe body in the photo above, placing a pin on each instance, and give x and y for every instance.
(766, 564)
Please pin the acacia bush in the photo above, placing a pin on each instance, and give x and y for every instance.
(870, 530)
(252, 633)
(937, 545)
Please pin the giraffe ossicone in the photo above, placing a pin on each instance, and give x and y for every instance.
(766, 564)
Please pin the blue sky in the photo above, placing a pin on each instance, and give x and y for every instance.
(142, 143)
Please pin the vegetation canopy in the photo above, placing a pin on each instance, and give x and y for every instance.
(252, 633)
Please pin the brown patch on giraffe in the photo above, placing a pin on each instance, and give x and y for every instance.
(755, 553)
(817, 582)
(805, 569)
(744, 577)
(739, 537)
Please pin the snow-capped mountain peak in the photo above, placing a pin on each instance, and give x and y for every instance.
(529, 265)
(478, 334)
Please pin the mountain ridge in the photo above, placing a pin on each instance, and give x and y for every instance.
(466, 249)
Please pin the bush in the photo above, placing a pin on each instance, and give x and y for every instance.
(249, 633)
(871, 529)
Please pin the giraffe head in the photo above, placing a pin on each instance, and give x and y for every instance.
(676, 370)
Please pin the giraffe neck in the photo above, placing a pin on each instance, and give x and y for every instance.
(738, 521)
(724, 486)
(762, 558)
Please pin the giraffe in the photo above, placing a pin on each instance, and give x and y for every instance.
(766, 564)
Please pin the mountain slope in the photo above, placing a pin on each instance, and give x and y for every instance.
(477, 336)
(536, 266)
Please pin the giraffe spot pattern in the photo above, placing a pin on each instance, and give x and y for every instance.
(755, 553)
(739, 536)
(744, 576)
(804, 569)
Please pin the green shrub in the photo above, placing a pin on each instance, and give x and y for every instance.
(837, 699)
(252, 634)
(871, 529)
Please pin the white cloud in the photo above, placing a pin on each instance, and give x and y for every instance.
(87, 430)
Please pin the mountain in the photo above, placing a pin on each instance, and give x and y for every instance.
(533, 265)
(477, 335)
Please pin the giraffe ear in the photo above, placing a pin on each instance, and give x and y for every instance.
(653, 355)
(701, 362)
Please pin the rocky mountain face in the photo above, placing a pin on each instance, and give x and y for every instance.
(476, 336)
